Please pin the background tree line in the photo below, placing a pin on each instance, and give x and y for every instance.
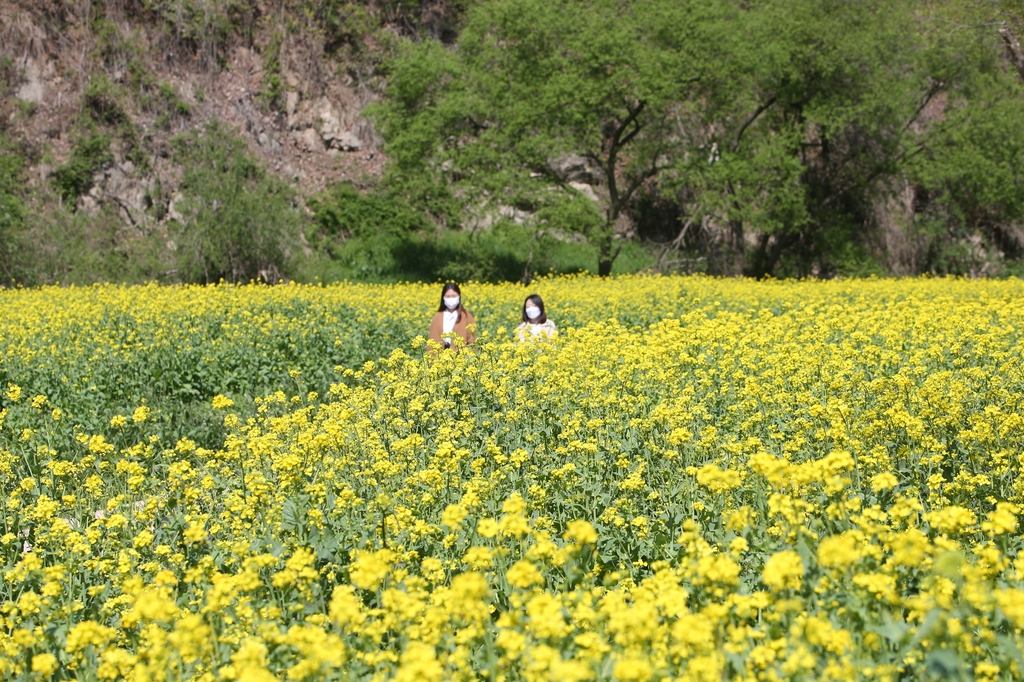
(786, 137)
(734, 137)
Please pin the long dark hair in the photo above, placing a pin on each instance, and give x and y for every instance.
(452, 286)
(540, 304)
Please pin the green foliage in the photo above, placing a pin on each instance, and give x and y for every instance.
(103, 102)
(379, 237)
(13, 210)
(345, 212)
(974, 161)
(570, 212)
(783, 123)
(778, 134)
(239, 222)
(89, 153)
(532, 80)
(505, 252)
(816, 106)
(205, 27)
(345, 24)
(105, 107)
(272, 94)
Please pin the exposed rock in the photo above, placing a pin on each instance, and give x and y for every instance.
(36, 73)
(334, 128)
(269, 142)
(319, 137)
(310, 140)
(347, 142)
(572, 168)
(586, 190)
(893, 214)
(172, 207)
(291, 173)
(330, 123)
(116, 186)
(560, 235)
(486, 216)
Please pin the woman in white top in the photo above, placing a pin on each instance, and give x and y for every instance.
(536, 324)
(452, 319)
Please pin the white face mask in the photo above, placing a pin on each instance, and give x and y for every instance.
(532, 312)
(451, 302)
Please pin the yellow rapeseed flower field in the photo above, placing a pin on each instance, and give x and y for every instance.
(699, 479)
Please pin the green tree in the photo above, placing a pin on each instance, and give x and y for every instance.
(13, 210)
(822, 103)
(1009, 18)
(532, 80)
(237, 222)
(970, 174)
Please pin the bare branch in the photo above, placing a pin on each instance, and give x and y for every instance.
(631, 119)
(1013, 49)
(932, 91)
(753, 117)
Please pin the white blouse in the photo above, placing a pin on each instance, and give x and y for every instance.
(450, 318)
(528, 331)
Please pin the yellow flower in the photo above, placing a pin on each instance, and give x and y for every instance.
(478, 558)
(632, 669)
(44, 664)
(580, 532)
(143, 539)
(487, 528)
(524, 575)
(1002, 520)
(718, 480)
(951, 519)
(419, 664)
(783, 570)
(88, 633)
(839, 551)
(221, 402)
(883, 481)
(1011, 603)
(369, 569)
(13, 392)
(195, 533)
(432, 569)
(346, 608)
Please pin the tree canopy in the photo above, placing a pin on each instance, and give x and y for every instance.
(780, 129)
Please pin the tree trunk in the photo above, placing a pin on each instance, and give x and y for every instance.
(1013, 48)
(737, 247)
(605, 255)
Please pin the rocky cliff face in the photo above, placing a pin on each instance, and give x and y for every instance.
(311, 132)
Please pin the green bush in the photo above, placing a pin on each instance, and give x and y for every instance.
(89, 153)
(271, 96)
(102, 102)
(344, 212)
(238, 222)
(13, 210)
(505, 252)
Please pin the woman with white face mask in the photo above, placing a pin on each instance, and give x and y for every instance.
(536, 324)
(452, 320)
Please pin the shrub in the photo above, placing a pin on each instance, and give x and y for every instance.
(238, 221)
(91, 151)
(12, 205)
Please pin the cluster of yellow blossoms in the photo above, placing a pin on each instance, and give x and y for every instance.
(700, 480)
